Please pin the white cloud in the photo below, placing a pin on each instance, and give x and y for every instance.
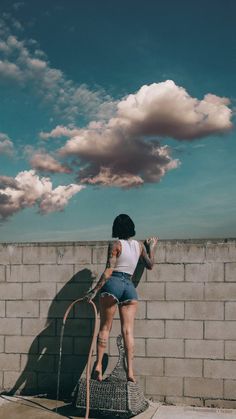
(165, 109)
(10, 71)
(6, 145)
(59, 131)
(25, 63)
(44, 162)
(27, 189)
(58, 198)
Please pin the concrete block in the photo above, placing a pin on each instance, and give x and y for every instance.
(149, 328)
(222, 292)
(99, 254)
(116, 328)
(165, 348)
(22, 273)
(203, 387)
(83, 254)
(65, 254)
(2, 273)
(1, 343)
(220, 330)
(9, 362)
(10, 254)
(71, 291)
(73, 364)
(139, 347)
(1, 380)
(204, 272)
(84, 311)
(11, 377)
(204, 349)
(87, 273)
(2, 308)
(56, 273)
(166, 386)
(10, 291)
(51, 345)
(230, 349)
(160, 253)
(147, 291)
(32, 327)
(185, 252)
(185, 329)
(166, 272)
(230, 311)
(47, 382)
(219, 369)
(22, 308)
(10, 326)
(46, 363)
(229, 389)
(54, 309)
(75, 327)
(184, 291)
(39, 291)
(202, 310)
(148, 366)
(21, 344)
(34, 254)
(165, 310)
(82, 345)
(230, 272)
(221, 252)
(183, 367)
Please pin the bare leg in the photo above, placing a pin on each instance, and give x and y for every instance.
(107, 310)
(127, 315)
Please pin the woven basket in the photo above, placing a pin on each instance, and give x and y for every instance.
(114, 396)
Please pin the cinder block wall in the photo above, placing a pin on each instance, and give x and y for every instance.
(185, 331)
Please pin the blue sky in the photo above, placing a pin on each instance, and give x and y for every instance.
(117, 107)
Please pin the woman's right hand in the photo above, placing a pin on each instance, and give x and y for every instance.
(90, 295)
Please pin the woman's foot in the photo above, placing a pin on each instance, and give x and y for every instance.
(130, 377)
(97, 373)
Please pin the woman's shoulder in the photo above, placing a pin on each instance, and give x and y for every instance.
(115, 245)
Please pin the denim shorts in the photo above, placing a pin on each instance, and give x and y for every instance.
(121, 287)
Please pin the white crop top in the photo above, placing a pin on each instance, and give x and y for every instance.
(128, 259)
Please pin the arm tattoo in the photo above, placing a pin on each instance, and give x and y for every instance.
(110, 265)
(111, 255)
(148, 259)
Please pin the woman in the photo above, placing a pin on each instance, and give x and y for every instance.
(116, 288)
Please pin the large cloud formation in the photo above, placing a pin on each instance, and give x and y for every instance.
(166, 109)
(126, 150)
(27, 189)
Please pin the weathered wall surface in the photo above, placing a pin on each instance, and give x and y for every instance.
(185, 330)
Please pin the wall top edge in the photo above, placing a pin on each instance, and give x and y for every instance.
(104, 242)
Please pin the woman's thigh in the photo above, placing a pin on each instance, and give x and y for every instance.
(127, 314)
(108, 307)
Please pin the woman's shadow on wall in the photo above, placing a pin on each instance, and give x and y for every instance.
(40, 372)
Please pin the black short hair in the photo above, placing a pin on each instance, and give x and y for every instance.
(123, 227)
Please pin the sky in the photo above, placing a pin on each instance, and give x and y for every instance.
(113, 107)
